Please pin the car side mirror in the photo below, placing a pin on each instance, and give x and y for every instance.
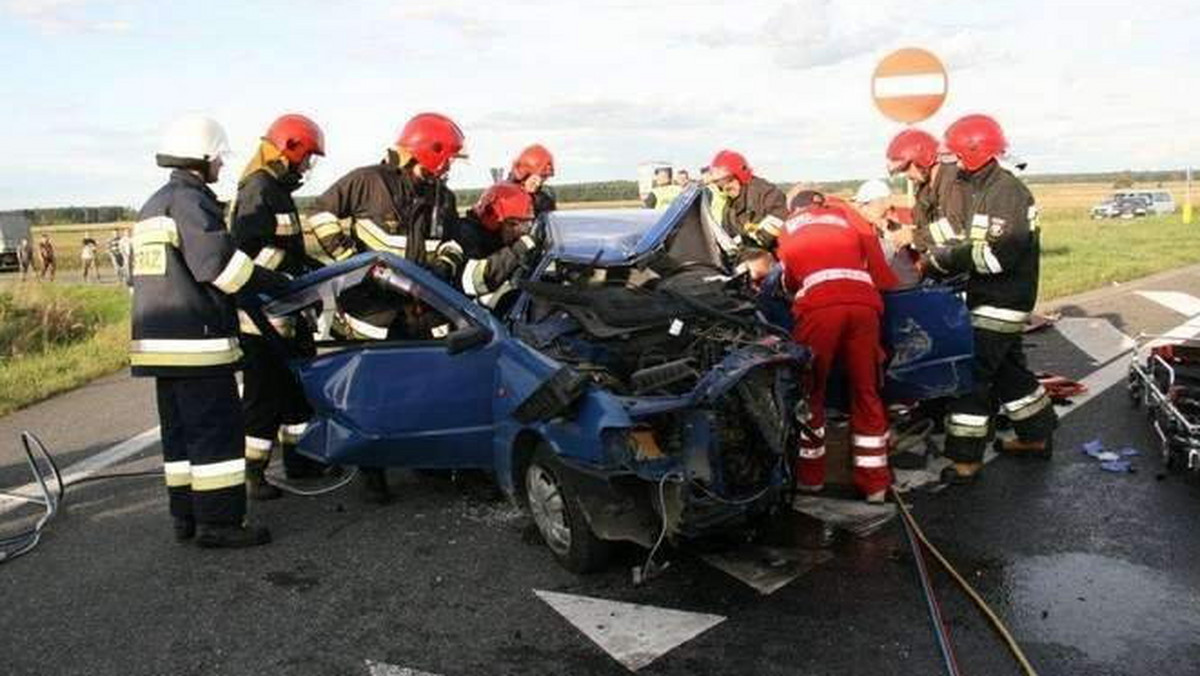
(465, 339)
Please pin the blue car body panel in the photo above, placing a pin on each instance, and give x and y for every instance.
(930, 342)
(615, 237)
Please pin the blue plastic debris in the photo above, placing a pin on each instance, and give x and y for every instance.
(1118, 466)
(1093, 448)
(1111, 461)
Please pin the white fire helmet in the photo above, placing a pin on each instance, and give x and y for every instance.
(193, 137)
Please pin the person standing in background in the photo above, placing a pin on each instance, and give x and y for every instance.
(664, 191)
(46, 254)
(25, 257)
(126, 247)
(87, 256)
(116, 257)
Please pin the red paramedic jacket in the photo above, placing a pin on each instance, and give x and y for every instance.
(831, 256)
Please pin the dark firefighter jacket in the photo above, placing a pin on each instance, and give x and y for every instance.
(383, 207)
(266, 226)
(940, 209)
(757, 214)
(1002, 254)
(485, 264)
(186, 272)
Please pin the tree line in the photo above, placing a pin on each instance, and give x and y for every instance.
(596, 191)
(77, 215)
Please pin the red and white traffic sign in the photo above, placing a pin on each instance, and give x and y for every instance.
(909, 85)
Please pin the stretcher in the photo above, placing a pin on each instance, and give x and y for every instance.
(1165, 379)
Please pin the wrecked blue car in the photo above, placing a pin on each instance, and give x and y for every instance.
(629, 391)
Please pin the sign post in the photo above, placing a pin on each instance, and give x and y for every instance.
(1187, 202)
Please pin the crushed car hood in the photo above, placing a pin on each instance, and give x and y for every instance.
(614, 237)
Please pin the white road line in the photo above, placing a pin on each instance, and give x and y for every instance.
(385, 669)
(634, 635)
(86, 467)
(1096, 336)
(1184, 303)
(1097, 382)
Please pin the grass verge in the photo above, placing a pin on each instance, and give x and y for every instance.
(1080, 254)
(56, 337)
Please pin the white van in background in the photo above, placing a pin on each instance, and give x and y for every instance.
(1160, 201)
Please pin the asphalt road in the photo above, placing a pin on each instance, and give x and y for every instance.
(1095, 573)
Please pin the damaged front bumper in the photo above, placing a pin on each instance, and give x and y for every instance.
(711, 460)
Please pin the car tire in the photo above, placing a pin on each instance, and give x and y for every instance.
(560, 521)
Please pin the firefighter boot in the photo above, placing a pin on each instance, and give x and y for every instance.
(185, 528)
(1042, 450)
(961, 473)
(375, 486)
(257, 486)
(231, 537)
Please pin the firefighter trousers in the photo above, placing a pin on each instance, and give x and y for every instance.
(201, 420)
(273, 404)
(849, 335)
(1002, 382)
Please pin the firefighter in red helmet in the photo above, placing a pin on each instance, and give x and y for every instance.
(266, 226)
(497, 239)
(755, 208)
(530, 170)
(1002, 258)
(939, 211)
(400, 206)
(835, 269)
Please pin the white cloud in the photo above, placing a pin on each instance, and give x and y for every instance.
(56, 17)
(469, 24)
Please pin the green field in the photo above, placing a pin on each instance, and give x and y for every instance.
(55, 337)
(1080, 254)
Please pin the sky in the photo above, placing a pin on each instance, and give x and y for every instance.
(87, 86)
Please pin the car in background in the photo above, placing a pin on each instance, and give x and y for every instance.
(14, 227)
(1127, 206)
(1105, 209)
(1157, 201)
(631, 390)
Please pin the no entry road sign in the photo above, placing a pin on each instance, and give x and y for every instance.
(909, 85)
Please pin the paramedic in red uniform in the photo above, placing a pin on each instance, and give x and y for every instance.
(834, 265)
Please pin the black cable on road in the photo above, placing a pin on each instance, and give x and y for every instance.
(935, 610)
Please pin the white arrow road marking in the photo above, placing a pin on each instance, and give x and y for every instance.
(1184, 303)
(634, 635)
(86, 467)
(385, 669)
(767, 569)
(1097, 337)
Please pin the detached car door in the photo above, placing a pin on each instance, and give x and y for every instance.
(421, 401)
(931, 345)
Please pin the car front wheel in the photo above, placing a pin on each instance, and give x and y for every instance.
(559, 518)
